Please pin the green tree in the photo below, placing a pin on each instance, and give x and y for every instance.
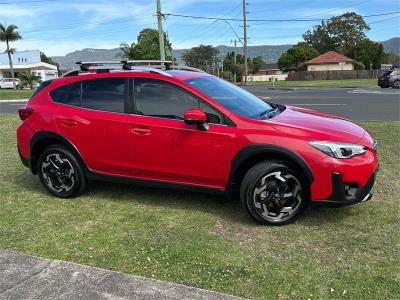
(147, 46)
(256, 64)
(29, 78)
(393, 59)
(367, 52)
(9, 34)
(295, 57)
(202, 57)
(46, 59)
(339, 33)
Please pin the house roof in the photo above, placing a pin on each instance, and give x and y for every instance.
(34, 66)
(329, 57)
(266, 67)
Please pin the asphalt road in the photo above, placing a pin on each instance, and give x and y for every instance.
(355, 104)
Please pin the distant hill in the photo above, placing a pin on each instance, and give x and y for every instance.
(269, 53)
(392, 45)
(68, 61)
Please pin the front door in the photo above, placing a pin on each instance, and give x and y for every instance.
(166, 148)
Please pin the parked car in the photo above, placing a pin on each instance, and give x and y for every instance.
(190, 130)
(389, 78)
(7, 83)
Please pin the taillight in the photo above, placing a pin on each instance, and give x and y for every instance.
(24, 113)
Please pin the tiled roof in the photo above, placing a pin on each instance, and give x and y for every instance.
(329, 57)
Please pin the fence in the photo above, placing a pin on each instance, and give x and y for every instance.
(333, 75)
(279, 77)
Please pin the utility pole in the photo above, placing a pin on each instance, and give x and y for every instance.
(160, 30)
(234, 60)
(245, 41)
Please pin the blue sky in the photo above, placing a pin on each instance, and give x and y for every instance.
(57, 27)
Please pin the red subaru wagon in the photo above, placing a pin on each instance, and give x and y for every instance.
(177, 127)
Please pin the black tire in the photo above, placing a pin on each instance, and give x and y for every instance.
(396, 84)
(60, 172)
(265, 192)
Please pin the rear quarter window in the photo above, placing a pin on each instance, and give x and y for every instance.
(60, 94)
(41, 87)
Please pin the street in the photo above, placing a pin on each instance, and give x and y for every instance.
(355, 104)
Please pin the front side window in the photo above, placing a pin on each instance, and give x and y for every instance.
(231, 97)
(104, 94)
(158, 99)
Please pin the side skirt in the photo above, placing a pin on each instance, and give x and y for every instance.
(152, 183)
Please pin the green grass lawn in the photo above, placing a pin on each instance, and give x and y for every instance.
(7, 94)
(207, 241)
(349, 83)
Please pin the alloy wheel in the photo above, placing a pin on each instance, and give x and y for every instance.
(277, 196)
(58, 173)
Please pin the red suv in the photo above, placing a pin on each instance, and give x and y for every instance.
(180, 128)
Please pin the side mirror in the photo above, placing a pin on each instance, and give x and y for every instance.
(196, 116)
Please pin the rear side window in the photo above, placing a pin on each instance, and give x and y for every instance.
(74, 94)
(99, 94)
(104, 94)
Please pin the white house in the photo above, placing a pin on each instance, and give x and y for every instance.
(27, 61)
(330, 61)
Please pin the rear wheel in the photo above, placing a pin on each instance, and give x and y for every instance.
(396, 84)
(274, 193)
(60, 172)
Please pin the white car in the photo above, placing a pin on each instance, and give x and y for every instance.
(7, 83)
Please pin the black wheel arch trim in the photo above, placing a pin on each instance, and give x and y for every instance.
(256, 149)
(43, 135)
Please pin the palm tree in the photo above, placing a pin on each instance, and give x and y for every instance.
(28, 79)
(9, 34)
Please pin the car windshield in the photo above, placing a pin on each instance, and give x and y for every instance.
(232, 97)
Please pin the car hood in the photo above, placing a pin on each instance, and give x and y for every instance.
(316, 125)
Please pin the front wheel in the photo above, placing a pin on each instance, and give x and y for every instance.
(274, 193)
(396, 84)
(60, 172)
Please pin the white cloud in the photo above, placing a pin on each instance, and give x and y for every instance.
(63, 47)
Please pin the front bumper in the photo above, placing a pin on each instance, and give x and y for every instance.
(344, 194)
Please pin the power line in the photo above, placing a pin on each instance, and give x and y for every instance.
(270, 20)
(207, 28)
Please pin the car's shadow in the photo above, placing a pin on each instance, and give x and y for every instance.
(229, 209)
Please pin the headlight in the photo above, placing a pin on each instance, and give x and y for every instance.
(339, 150)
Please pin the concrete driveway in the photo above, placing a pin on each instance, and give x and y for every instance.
(24, 276)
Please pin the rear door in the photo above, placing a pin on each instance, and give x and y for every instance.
(93, 116)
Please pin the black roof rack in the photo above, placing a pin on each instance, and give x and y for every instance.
(156, 66)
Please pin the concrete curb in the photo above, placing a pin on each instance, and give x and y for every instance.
(13, 100)
(25, 276)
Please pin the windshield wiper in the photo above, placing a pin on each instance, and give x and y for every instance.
(272, 112)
